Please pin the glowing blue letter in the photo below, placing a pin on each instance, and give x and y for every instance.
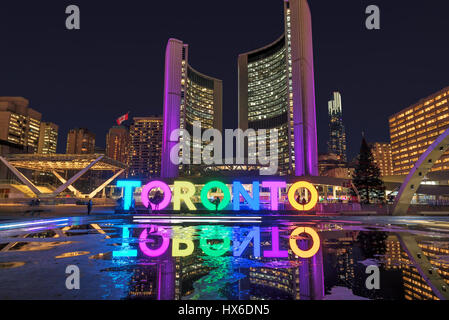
(126, 251)
(128, 191)
(239, 247)
(237, 189)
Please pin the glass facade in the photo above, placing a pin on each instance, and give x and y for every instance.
(268, 99)
(337, 134)
(197, 104)
(276, 91)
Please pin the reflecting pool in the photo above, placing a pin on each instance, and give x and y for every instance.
(226, 257)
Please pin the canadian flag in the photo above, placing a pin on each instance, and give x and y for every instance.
(122, 118)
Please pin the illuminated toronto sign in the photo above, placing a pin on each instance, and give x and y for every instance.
(215, 241)
(184, 191)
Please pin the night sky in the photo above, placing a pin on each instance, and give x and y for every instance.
(115, 63)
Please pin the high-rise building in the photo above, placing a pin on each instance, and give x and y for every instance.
(19, 124)
(117, 143)
(277, 91)
(188, 96)
(337, 135)
(383, 158)
(415, 128)
(145, 147)
(80, 141)
(48, 138)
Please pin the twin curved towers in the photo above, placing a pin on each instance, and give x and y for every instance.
(276, 91)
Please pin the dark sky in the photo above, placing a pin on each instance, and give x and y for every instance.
(114, 64)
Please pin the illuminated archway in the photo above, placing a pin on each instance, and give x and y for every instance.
(415, 177)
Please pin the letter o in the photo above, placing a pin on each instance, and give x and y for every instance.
(218, 185)
(152, 185)
(153, 252)
(313, 196)
(315, 238)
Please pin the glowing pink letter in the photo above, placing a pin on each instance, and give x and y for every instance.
(274, 192)
(153, 252)
(146, 191)
(275, 252)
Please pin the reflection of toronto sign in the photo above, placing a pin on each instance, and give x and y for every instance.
(184, 191)
(215, 241)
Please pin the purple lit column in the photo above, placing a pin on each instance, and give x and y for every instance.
(172, 103)
(304, 113)
(311, 275)
(166, 279)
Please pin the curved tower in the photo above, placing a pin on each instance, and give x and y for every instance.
(188, 96)
(277, 91)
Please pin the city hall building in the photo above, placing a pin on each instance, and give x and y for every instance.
(276, 91)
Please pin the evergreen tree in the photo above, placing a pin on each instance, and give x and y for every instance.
(366, 177)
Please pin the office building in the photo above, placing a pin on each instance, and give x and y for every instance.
(145, 147)
(117, 143)
(19, 124)
(383, 158)
(188, 96)
(48, 138)
(80, 141)
(415, 128)
(337, 135)
(276, 91)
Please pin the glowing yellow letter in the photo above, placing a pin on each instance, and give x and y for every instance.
(178, 252)
(315, 246)
(313, 196)
(178, 195)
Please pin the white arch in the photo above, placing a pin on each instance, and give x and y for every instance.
(415, 177)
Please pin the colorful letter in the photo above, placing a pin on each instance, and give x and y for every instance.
(313, 196)
(237, 189)
(315, 246)
(146, 191)
(275, 252)
(128, 188)
(239, 248)
(215, 233)
(182, 236)
(274, 187)
(126, 251)
(219, 185)
(186, 197)
(153, 252)
(178, 252)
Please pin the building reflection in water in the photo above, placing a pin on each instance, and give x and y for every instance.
(252, 277)
(340, 262)
(217, 262)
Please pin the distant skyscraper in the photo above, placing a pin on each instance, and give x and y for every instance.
(189, 96)
(337, 135)
(19, 124)
(145, 147)
(277, 91)
(383, 158)
(415, 128)
(117, 144)
(80, 141)
(48, 138)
